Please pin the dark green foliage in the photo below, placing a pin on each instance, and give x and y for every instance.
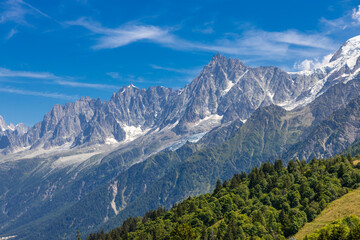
(78, 235)
(344, 229)
(218, 186)
(354, 149)
(271, 202)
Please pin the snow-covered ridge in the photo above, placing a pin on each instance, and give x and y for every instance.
(342, 66)
(348, 54)
(224, 90)
(10, 127)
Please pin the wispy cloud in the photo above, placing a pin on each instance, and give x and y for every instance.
(285, 44)
(124, 35)
(348, 21)
(114, 75)
(177, 70)
(86, 85)
(129, 78)
(14, 11)
(41, 94)
(4, 72)
(17, 10)
(51, 79)
(309, 64)
(347, 25)
(252, 43)
(12, 32)
(206, 28)
(36, 10)
(293, 37)
(356, 15)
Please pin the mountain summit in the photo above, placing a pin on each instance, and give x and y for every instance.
(348, 53)
(226, 89)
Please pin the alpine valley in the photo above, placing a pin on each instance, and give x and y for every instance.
(90, 164)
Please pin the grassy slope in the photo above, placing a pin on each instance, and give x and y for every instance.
(345, 206)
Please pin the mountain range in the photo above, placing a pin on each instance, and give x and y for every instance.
(90, 164)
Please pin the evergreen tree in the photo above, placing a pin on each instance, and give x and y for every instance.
(218, 186)
(78, 235)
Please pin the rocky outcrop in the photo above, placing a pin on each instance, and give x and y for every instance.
(225, 90)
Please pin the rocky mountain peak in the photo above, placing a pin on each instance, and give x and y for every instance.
(85, 99)
(227, 63)
(6, 130)
(349, 52)
(217, 58)
(225, 90)
(3, 125)
(21, 129)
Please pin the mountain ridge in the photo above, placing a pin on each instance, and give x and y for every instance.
(226, 89)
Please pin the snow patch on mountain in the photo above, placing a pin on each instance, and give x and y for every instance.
(110, 140)
(348, 54)
(133, 132)
(193, 139)
(231, 84)
(209, 120)
(345, 59)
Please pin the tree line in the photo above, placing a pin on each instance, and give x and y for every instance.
(271, 202)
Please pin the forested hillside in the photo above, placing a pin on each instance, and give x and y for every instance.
(271, 202)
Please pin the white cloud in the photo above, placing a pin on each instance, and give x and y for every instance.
(17, 10)
(86, 85)
(206, 28)
(124, 35)
(356, 14)
(114, 75)
(11, 33)
(274, 45)
(36, 10)
(277, 45)
(350, 20)
(130, 78)
(14, 11)
(309, 64)
(40, 94)
(177, 70)
(4, 72)
(51, 79)
(300, 39)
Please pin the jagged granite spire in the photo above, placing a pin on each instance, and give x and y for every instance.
(225, 90)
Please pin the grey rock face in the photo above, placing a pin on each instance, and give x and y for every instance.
(331, 136)
(9, 134)
(3, 125)
(225, 90)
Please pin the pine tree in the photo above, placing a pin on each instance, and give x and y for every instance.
(78, 235)
(350, 159)
(218, 186)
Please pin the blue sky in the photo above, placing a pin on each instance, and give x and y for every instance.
(53, 52)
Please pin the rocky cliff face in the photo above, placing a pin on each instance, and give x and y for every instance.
(10, 133)
(331, 136)
(225, 90)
